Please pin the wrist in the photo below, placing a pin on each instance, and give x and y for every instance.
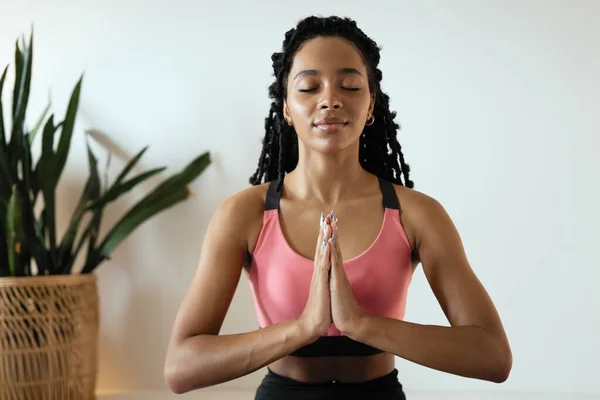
(307, 334)
(358, 327)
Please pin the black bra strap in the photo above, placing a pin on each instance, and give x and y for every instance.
(390, 200)
(272, 201)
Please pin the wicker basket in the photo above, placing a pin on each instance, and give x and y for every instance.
(48, 337)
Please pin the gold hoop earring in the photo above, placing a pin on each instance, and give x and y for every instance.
(372, 118)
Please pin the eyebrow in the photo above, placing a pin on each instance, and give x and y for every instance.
(314, 72)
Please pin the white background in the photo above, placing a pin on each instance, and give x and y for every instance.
(499, 106)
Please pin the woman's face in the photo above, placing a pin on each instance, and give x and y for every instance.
(328, 99)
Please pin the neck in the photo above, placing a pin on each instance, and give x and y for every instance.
(326, 177)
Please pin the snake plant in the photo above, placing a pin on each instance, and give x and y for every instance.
(27, 236)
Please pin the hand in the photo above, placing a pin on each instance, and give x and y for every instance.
(316, 316)
(345, 311)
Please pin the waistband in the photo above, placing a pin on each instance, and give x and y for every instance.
(389, 380)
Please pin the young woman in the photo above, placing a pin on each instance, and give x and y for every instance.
(329, 235)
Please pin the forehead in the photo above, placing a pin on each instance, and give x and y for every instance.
(327, 54)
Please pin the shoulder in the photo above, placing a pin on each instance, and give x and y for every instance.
(417, 203)
(423, 216)
(241, 214)
(245, 205)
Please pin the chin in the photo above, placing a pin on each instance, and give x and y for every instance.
(334, 144)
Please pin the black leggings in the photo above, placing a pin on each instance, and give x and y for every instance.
(274, 386)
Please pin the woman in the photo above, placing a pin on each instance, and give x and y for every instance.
(329, 235)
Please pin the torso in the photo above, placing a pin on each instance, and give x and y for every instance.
(360, 222)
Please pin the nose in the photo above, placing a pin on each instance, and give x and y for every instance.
(330, 100)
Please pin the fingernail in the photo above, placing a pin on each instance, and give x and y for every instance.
(322, 220)
(333, 240)
(336, 223)
(331, 214)
(324, 245)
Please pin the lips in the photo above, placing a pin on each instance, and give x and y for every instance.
(330, 121)
(331, 125)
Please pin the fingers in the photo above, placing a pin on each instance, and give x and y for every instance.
(323, 249)
(321, 235)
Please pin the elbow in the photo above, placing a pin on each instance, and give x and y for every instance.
(173, 379)
(180, 378)
(503, 365)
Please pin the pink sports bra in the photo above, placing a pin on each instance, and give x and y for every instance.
(280, 278)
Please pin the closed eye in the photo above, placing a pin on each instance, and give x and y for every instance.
(312, 90)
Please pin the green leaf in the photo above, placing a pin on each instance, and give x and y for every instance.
(128, 223)
(6, 180)
(24, 62)
(39, 122)
(16, 236)
(40, 231)
(32, 245)
(90, 233)
(167, 194)
(64, 143)
(24, 83)
(130, 166)
(19, 62)
(116, 191)
(183, 178)
(90, 192)
(94, 231)
(26, 162)
(45, 172)
(45, 165)
(3, 143)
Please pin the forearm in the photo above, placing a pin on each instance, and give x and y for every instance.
(468, 351)
(207, 360)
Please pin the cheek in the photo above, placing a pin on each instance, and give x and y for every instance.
(301, 108)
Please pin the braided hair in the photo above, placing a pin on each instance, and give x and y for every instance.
(380, 153)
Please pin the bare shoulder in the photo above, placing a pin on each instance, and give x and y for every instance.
(422, 215)
(416, 203)
(245, 205)
(243, 211)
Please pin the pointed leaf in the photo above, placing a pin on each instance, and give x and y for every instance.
(133, 219)
(3, 143)
(24, 61)
(116, 191)
(19, 62)
(26, 163)
(90, 234)
(24, 82)
(32, 244)
(14, 231)
(91, 191)
(39, 122)
(183, 178)
(46, 176)
(130, 166)
(93, 236)
(6, 180)
(64, 143)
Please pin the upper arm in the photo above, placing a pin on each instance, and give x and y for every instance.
(460, 293)
(220, 264)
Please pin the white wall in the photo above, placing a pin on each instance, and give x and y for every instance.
(496, 102)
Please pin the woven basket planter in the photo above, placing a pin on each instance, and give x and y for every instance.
(48, 337)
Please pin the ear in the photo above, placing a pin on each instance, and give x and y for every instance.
(286, 112)
(372, 104)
